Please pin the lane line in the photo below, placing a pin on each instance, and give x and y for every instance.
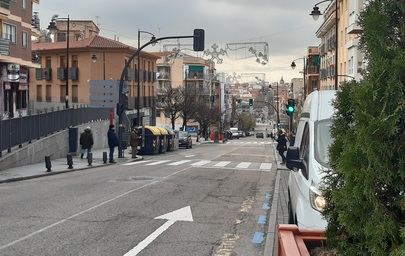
(138, 162)
(158, 162)
(89, 209)
(189, 156)
(244, 165)
(180, 162)
(222, 164)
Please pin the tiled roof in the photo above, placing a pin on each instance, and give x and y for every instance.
(92, 42)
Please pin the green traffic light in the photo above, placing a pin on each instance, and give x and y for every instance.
(290, 109)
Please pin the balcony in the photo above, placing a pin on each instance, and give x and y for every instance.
(43, 73)
(195, 75)
(73, 73)
(4, 46)
(313, 70)
(5, 7)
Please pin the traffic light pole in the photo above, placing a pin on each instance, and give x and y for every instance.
(120, 106)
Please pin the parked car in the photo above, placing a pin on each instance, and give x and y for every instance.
(308, 158)
(235, 133)
(185, 140)
(259, 135)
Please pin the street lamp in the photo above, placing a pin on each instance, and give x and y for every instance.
(315, 15)
(293, 65)
(138, 97)
(53, 28)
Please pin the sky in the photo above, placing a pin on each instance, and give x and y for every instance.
(285, 25)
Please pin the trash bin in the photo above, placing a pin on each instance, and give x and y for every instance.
(170, 140)
(163, 140)
(73, 140)
(151, 144)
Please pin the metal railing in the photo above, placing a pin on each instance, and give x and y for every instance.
(16, 131)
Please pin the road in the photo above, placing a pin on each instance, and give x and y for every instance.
(112, 210)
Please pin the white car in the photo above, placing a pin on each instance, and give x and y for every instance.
(307, 160)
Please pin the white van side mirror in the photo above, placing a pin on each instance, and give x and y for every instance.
(294, 162)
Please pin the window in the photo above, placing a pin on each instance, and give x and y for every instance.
(24, 4)
(62, 61)
(48, 93)
(62, 93)
(21, 98)
(24, 39)
(48, 62)
(75, 93)
(9, 32)
(323, 140)
(39, 92)
(304, 149)
(75, 62)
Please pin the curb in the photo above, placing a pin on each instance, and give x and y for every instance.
(271, 242)
(63, 171)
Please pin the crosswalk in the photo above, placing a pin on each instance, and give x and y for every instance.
(250, 142)
(262, 166)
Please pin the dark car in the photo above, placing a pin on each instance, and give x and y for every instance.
(259, 135)
(185, 140)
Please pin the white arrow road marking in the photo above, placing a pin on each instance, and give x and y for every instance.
(180, 162)
(222, 164)
(159, 162)
(183, 214)
(243, 165)
(138, 162)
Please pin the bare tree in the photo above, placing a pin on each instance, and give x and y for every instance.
(187, 105)
(246, 122)
(172, 102)
(206, 116)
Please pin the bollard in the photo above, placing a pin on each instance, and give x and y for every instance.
(69, 161)
(104, 157)
(89, 158)
(48, 164)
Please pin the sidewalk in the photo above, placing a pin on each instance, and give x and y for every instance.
(60, 166)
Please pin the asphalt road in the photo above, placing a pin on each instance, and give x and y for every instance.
(111, 210)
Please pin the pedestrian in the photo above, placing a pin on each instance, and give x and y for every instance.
(86, 142)
(112, 142)
(281, 146)
(134, 142)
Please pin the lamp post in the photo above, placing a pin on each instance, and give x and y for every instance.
(315, 14)
(198, 46)
(52, 27)
(138, 91)
(293, 65)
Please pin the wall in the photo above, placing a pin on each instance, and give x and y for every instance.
(55, 145)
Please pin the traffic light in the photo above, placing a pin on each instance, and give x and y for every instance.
(290, 107)
(250, 102)
(212, 98)
(198, 43)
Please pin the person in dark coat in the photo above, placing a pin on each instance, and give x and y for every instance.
(112, 142)
(281, 146)
(86, 142)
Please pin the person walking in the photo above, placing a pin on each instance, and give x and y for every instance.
(134, 142)
(112, 142)
(281, 146)
(86, 142)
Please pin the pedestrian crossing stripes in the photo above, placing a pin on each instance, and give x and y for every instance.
(233, 165)
(180, 162)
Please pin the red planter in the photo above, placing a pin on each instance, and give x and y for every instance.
(293, 241)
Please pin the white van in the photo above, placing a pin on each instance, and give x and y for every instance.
(308, 158)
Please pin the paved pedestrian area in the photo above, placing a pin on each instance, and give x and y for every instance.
(59, 166)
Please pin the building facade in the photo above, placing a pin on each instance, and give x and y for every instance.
(312, 70)
(17, 26)
(196, 74)
(94, 58)
(350, 58)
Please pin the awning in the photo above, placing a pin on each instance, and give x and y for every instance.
(170, 131)
(154, 130)
(163, 131)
